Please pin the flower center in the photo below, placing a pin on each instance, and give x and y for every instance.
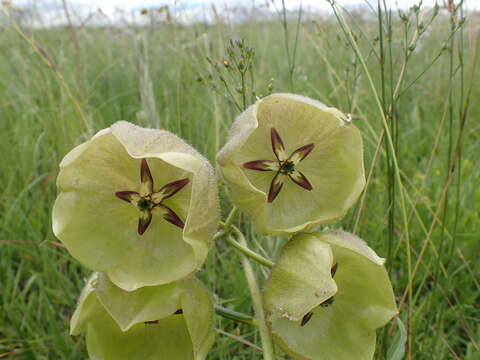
(287, 167)
(145, 204)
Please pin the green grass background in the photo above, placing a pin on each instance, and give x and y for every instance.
(60, 85)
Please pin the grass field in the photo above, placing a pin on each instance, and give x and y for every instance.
(410, 79)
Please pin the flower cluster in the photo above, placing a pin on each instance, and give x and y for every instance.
(292, 163)
(139, 206)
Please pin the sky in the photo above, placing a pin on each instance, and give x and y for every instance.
(188, 10)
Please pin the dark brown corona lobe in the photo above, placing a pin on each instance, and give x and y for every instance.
(282, 165)
(306, 318)
(150, 202)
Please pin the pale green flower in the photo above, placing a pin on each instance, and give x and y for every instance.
(167, 322)
(325, 297)
(138, 204)
(292, 162)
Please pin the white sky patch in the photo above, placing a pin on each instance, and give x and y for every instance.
(96, 12)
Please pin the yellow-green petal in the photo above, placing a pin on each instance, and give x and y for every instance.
(167, 322)
(300, 279)
(362, 278)
(343, 328)
(100, 230)
(333, 167)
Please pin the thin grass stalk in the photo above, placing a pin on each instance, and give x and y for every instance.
(51, 65)
(348, 33)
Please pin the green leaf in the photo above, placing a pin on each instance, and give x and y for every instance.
(396, 351)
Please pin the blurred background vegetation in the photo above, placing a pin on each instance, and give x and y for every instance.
(420, 210)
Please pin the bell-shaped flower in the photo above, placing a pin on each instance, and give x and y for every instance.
(166, 322)
(138, 204)
(292, 162)
(326, 295)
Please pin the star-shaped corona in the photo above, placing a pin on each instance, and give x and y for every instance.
(149, 202)
(284, 166)
(140, 205)
(314, 175)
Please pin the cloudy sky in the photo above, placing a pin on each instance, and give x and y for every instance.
(110, 5)
(187, 10)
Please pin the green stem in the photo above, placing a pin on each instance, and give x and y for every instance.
(250, 253)
(230, 218)
(234, 315)
(267, 343)
(219, 234)
(227, 226)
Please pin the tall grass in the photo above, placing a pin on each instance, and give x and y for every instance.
(408, 79)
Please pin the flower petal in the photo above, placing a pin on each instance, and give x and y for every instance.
(301, 153)
(261, 165)
(129, 196)
(169, 190)
(101, 231)
(143, 221)
(146, 179)
(345, 329)
(334, 167)
(168, 322)
(301, 278)
(298, 178)
(168, 214)
(277, 145)
(275, 187)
